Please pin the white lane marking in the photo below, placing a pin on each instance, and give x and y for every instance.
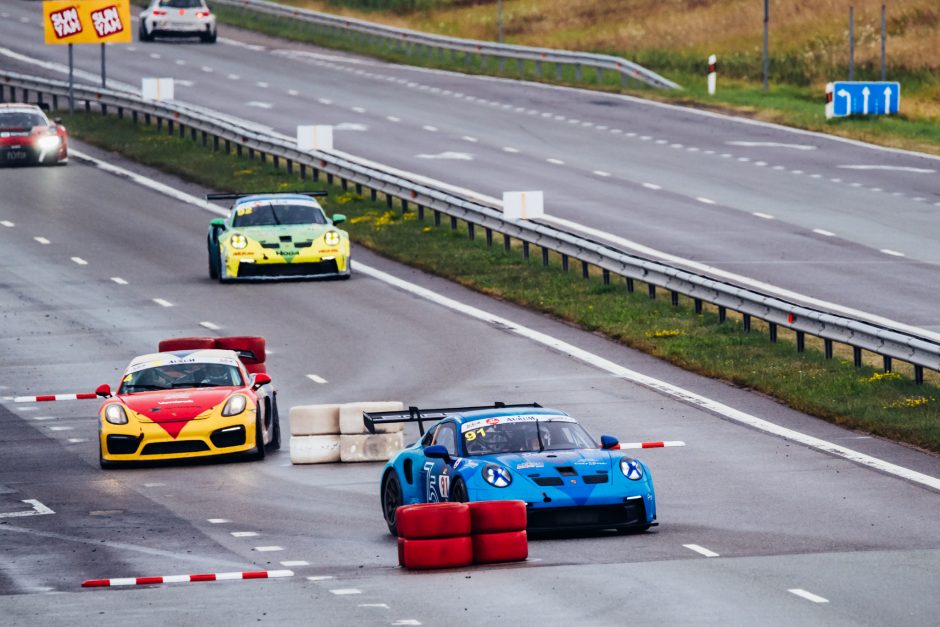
(44, 418)
(345, 591)
(154, 485)
(765, 216)
(259, 105)
(760, 164)
(42, 240)
(293, 92)
(240, 44)
(350, 126)
(295, 563)
(707, 201)
(320, 578)
(617, 131)
(183, 83)
(892, 168)
(268, 549)
(796, 171)
(429, 128)
(392, 118)
(453, 156)
(359, 109)
(206, 69)
(855, 184)
(119, 280)
(701, 550)
(750, 144)
(667, 389)
(510, 149)
(243, 534)
(154, 55)
(325, 101)
(210, 325)
(809, 596)
(652, 186)
(38, 510)
(162, 302)
(467, 138)
(824, 232)
(601, 173)
(76, 440)
(836, 180)
(815, 176)
(675, 145)
(874, 189)
(599, 128)
(7, 224)
(645, 138)
(262, 84)
(661, 141)
(407, 621)
(316, 378)
(556, 161)
(383, 606)
(218, 521)
(233, 77)
(180, 62)
(893, 253)
(662, 387)
(79, 261)
(61, 428)
(744, 159)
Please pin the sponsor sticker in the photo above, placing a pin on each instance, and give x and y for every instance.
(499, 420)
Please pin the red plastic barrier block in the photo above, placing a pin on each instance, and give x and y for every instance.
(253, 344)
(490, 548)
(497, 516)
(435, 553)
(433, 520)
(185, 344)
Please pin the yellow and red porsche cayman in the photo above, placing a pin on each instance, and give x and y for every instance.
(188, 403)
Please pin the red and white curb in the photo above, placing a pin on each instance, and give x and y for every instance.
(629, 445)
(147, 581)
(55, 397)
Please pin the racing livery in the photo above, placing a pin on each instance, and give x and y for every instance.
(518, 452)
(28, 136)
(278, 235)
(188, 403)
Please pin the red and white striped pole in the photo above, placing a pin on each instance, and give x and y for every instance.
(830, 105)
(55, 397)
(712, 74)
(665, 444)
(148, 581)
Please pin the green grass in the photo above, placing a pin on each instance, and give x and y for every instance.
(891, 406)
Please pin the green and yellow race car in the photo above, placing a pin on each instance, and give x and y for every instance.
(276, 236)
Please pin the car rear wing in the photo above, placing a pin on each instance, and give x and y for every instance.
(415, 414)
(230, 196)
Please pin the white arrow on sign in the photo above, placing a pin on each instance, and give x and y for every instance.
(865, 94)
(848, 99)
(888, 93)
(38, 510)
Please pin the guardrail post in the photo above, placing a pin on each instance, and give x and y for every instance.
(453, 223)
(169, 127)
(277, 162)
(599, 75)
(675, 298)
(404, 206)
(388, 200)
(651, 291)
(489, 238)
(887, 363)
(344, 183)
(303, 171)
(262, 156)
(746, 320)
(290, 166)
(3, 90)
(192, 135)
(773, 333)
(374, 195)
(538, 69)
(544, 256)
(722, 314)
(520, 67)
(800, 341)
(420, 211)
(315, 173)
(55, 105)
(585, 270)
(606, 275)
(558, 71)
(827, 348)
(182, 131)
(39, 98)
(88, 106)
(919, 375)
(437, 218)
(698, 305)
(577, 72)
(564, 262)
(507, 243)
(359, 189)
(471, 231)
(159, 123)
(857, 356)
(525, 250)
(630, 285)
(502, 64)
(251, 154)
(238, 149)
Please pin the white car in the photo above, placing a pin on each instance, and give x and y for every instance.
(177, 18)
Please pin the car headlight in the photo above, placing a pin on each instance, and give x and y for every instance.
(115, 414)
(331, 238)
(238, 241)
(497, 476)
(631, 468)
(48, 142)
(234, 405)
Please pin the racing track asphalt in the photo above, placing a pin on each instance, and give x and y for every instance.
(780, 516)
(786, 208)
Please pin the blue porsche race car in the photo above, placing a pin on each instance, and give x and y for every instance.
(521, 452)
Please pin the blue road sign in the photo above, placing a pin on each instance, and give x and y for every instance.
(861, 98)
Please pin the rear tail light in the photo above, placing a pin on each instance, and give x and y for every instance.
(202, 14)
(158, 12)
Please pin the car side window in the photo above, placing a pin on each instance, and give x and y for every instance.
(446, 436)
(428, 438)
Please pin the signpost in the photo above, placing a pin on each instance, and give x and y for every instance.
(86, 22)
(844, 98)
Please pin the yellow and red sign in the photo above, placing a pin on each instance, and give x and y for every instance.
(87, 21)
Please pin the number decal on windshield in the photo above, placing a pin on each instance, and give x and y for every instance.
(470, 436)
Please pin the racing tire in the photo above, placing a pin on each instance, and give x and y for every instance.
(492, 548)
(427, 521)
(458, 494)
(209, 38)
(435, 553)
(259, 437)
(215, 261)
(102, 462)
(497, 516)
(254, 344)
(142, 33)
(185, 344)
(276, 423)
(391, 500)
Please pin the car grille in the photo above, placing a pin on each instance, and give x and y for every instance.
(272, 245)
(548, 481)
(248, 270)
(599, 478)
(123, 444)
(170, 448)
(632, 513)
(229, 436)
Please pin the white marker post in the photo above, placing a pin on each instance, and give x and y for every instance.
(156, 88)
(712, 74)
(315, 137)
(523, 205)
(830, 105)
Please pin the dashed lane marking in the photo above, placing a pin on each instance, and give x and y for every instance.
(765, 216)
(707, 201)
(295, 563)
(119, 280)
(244, 534)
(893, 253)
(652, 186)
(76, 440)
(809, 596)
(162, 302)
(556, 161)
(316, 378)
(407, 621)
(392, 118)
(42, 240)
(209, 325)
(601, 173)
(701, 550)
(154, 485)
(320, 578)
(345, 591)
(7, 224)
(824, 232)
(218, 521)
(79, 261)
(268, 549)
(61, 428)
(383, 606)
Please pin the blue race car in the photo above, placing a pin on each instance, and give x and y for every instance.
(521, 452)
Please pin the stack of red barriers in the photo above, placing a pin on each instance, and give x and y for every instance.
(452, 535)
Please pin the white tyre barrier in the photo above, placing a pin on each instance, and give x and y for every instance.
(370, 448)
(314, 449)
(350, 417)
(314, 419)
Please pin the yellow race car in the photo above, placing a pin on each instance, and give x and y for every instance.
(195, 398)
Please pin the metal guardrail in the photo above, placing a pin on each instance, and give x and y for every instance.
(227, 133)
(469, 47)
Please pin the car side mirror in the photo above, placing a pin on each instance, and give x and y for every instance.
(259, 379)
(338, 217)
(217, 223)
(104, 391)
(610, 443)
(436, 451)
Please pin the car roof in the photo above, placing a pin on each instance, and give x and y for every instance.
(208, 355)
(505, 411)
(263, 197)
(19, 106)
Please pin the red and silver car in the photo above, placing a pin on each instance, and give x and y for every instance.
(28, 136)
(177, 18)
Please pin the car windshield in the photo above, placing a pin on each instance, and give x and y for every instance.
(181, 375)
(526, 437)
(181, 4)
(21, 120)
(274, 214)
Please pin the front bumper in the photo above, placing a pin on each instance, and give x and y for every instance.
(179, 28)
(272, 268)
(29, 154)
(628, 515)
(147, 441)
